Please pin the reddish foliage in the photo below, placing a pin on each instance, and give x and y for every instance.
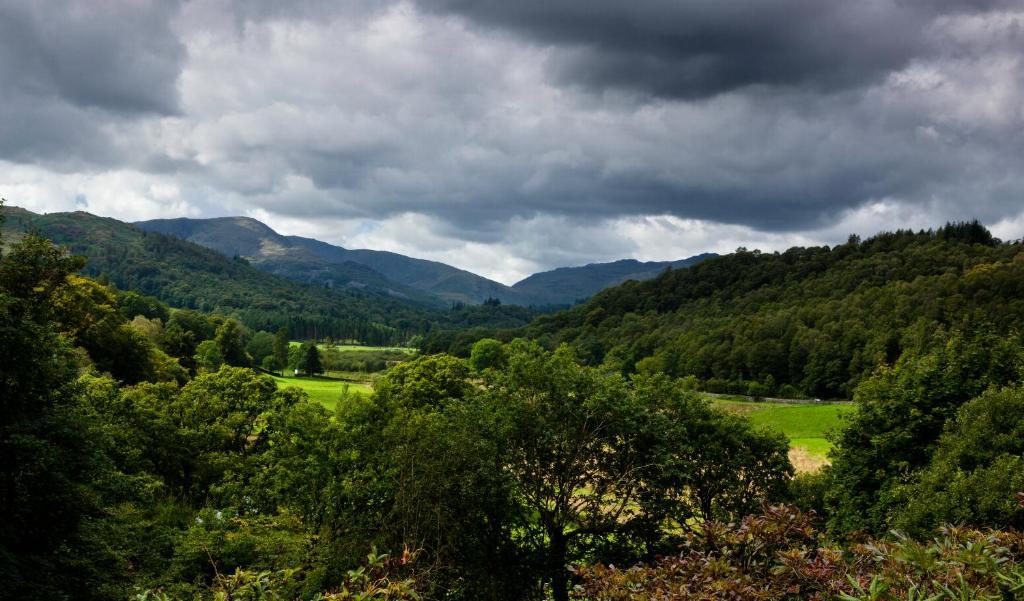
(779, 556)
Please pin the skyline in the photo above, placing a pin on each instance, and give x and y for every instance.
(510, 139)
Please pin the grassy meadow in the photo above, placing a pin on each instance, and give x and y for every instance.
(325, 390)
(347, 348)
(328, 388)
(805, 424)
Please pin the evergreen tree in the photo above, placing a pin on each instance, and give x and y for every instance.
(311, 360)
(281, 348)
(229, 343)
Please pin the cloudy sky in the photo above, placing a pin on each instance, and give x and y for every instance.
(510, 137)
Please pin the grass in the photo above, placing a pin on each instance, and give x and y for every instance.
(361, 348)
(324, 390)
(327, 389)
(804, 424)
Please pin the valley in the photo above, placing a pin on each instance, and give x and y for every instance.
(251, 419)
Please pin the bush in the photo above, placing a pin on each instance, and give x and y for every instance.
(778, 556)
(978, 465)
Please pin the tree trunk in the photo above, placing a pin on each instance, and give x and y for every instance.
(559, 579)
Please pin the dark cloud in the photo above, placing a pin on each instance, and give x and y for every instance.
(117, 56)
(697, 48)
(69, 69)
(528, 133)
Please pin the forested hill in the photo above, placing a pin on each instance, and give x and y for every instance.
(312, 260)
(809, 320)
(187, 275)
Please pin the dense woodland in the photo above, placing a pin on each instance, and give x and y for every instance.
(143, 457)
(186, 275)
(811, 322)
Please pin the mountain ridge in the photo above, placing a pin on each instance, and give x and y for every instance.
(313, 260)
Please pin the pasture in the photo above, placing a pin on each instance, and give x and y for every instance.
(322, 389)
(805, 424)
(346, 348)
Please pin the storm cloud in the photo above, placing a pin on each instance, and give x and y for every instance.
(507, 137)
(704, 47)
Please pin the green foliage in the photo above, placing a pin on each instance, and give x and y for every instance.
(281, 345)
(374, 581)
(208, 357)
(359, 358)
(260, 347)
(728, 467)
(87, 314)
(434, 380)
(487, 353)
(458, 329)
(977, 467)
(545, 461)
(222, 542)
(310, 362)
(229, 343)
(422, 472)
(118, 472)
(132, 304)
(186, 275)
(816, 320)
(901, 411)
(47, 459)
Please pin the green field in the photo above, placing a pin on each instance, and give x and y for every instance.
(804, 424)
(326, 391)
(360, 348)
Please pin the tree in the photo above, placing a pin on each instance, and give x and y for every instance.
(311, 359)
(281, 345)
(423, 471)
(87, 314)
(260, 346)
(711, 465)
(601, 464)
(208, 356)
(192, 436)
(487, 353)
(48, 460)
(901, 412)
(229, 343)
(568, 450)
(543, 463)
(132, 304)
(180, 343)
(976, 471)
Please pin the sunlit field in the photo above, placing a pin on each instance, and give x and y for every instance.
(324, 390)
(805, 424)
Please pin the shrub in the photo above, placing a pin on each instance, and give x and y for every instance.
(778, 556)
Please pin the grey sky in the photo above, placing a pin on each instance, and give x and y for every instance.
(510, 137)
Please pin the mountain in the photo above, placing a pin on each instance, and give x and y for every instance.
(813, 321)
(187, 275)
(313, 260)
(310, 260)
(567, 285)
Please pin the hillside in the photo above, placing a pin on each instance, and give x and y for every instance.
(315, 261)
(573, 284)
(188, 275)
(814, 321)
